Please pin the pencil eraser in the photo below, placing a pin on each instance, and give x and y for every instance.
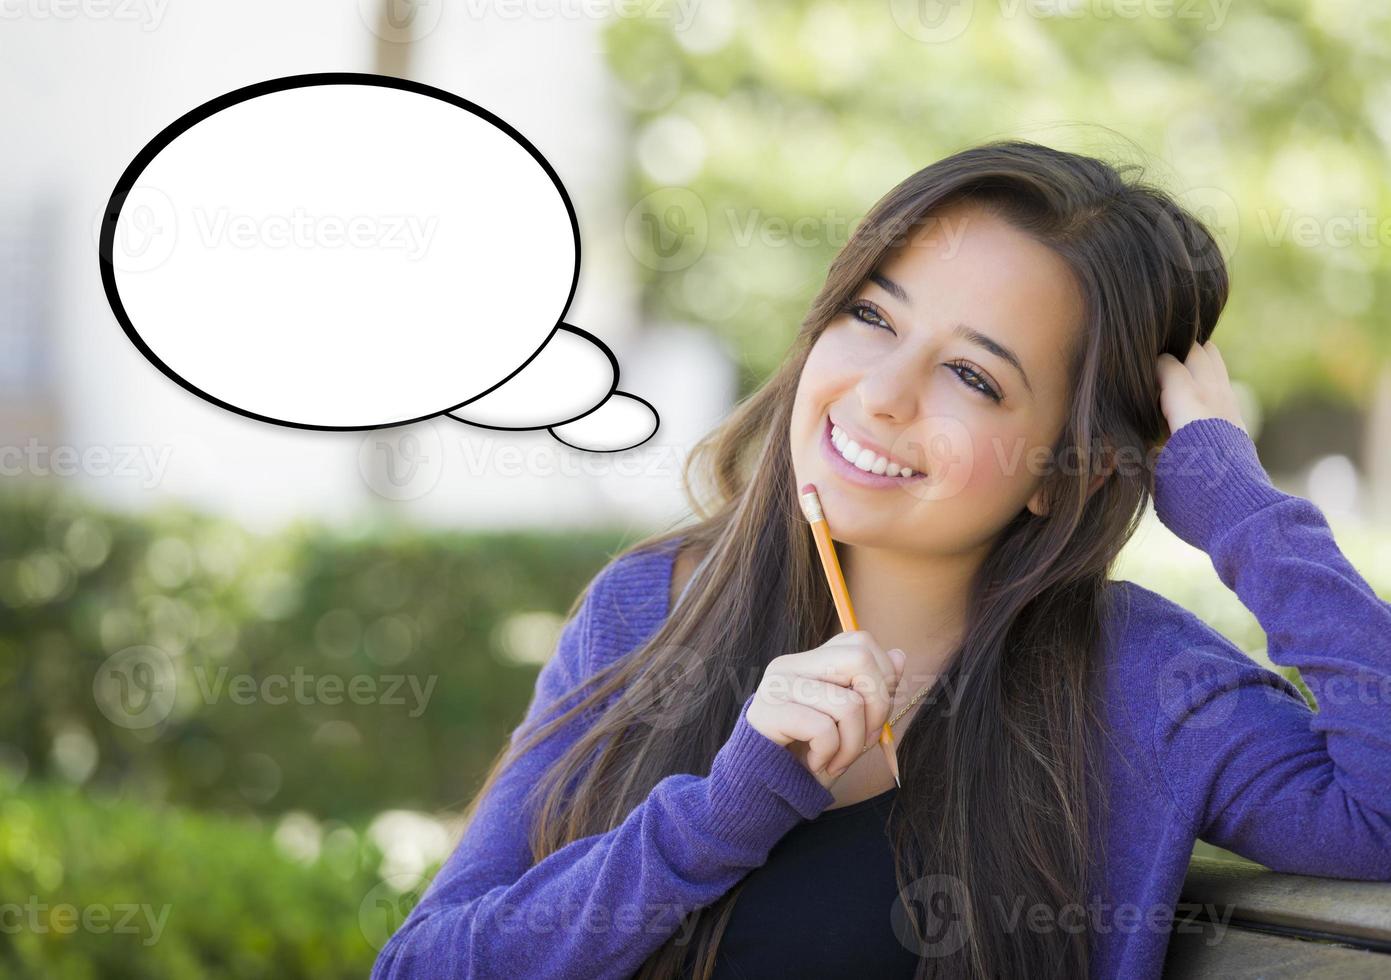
(808, 488)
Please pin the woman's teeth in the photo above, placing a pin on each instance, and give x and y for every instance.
(865, 459)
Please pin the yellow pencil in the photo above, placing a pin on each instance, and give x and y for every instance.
(825, 547)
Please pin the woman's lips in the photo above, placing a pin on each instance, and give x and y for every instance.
(851, 473)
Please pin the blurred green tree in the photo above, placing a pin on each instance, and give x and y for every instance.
(764, 132)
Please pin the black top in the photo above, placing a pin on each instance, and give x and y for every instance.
(820, 906)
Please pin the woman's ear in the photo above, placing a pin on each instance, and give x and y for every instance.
(1106, 466)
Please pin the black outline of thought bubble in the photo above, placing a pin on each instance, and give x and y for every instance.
(191, 118)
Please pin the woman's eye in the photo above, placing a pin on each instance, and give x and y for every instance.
(862, 309)
(868, 313)
(974, 381)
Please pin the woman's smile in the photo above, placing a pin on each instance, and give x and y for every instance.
(853, 473)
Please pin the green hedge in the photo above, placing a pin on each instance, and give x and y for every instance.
(158, 655)
(457, 623)
(78, 586)
(94, 888)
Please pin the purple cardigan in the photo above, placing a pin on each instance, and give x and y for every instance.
(1203, 743)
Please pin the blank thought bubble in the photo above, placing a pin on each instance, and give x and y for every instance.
(353, 251)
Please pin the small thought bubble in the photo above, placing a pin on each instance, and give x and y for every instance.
(351, 251)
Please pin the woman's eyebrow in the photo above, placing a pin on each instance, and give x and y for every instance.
(961, 329)
(891, 287)
(998, 349)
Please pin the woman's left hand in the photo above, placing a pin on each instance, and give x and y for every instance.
(1196, 388)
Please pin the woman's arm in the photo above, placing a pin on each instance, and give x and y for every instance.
(1242, 755)
(600, 905)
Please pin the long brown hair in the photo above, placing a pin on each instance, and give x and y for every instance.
(1001, 794)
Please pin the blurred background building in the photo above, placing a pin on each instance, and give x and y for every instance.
(96, 89)
(754, 157)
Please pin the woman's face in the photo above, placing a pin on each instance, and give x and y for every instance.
(953, 363)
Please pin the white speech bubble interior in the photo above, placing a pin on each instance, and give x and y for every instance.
(345, 255)
(571, 376)
(625, 421)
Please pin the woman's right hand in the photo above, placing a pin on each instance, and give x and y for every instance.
(828, 703)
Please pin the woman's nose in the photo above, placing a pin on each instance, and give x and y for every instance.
(892, 390)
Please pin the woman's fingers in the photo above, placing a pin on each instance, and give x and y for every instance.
(1198, 387)
(1219, 366)
(827, 704)
(854, 660)
(818, 729)
(847, 655)
(847, 707)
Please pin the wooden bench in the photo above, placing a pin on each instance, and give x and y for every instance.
(1279, 925)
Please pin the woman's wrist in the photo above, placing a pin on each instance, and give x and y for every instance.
(759, 789)
(1207, 478)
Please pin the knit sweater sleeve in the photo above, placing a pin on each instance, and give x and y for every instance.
(600, 905)
(1255, 770)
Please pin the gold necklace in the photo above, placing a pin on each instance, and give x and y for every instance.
(911, 701)
(900, 712)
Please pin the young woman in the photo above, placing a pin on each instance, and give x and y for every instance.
(1007, 361)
